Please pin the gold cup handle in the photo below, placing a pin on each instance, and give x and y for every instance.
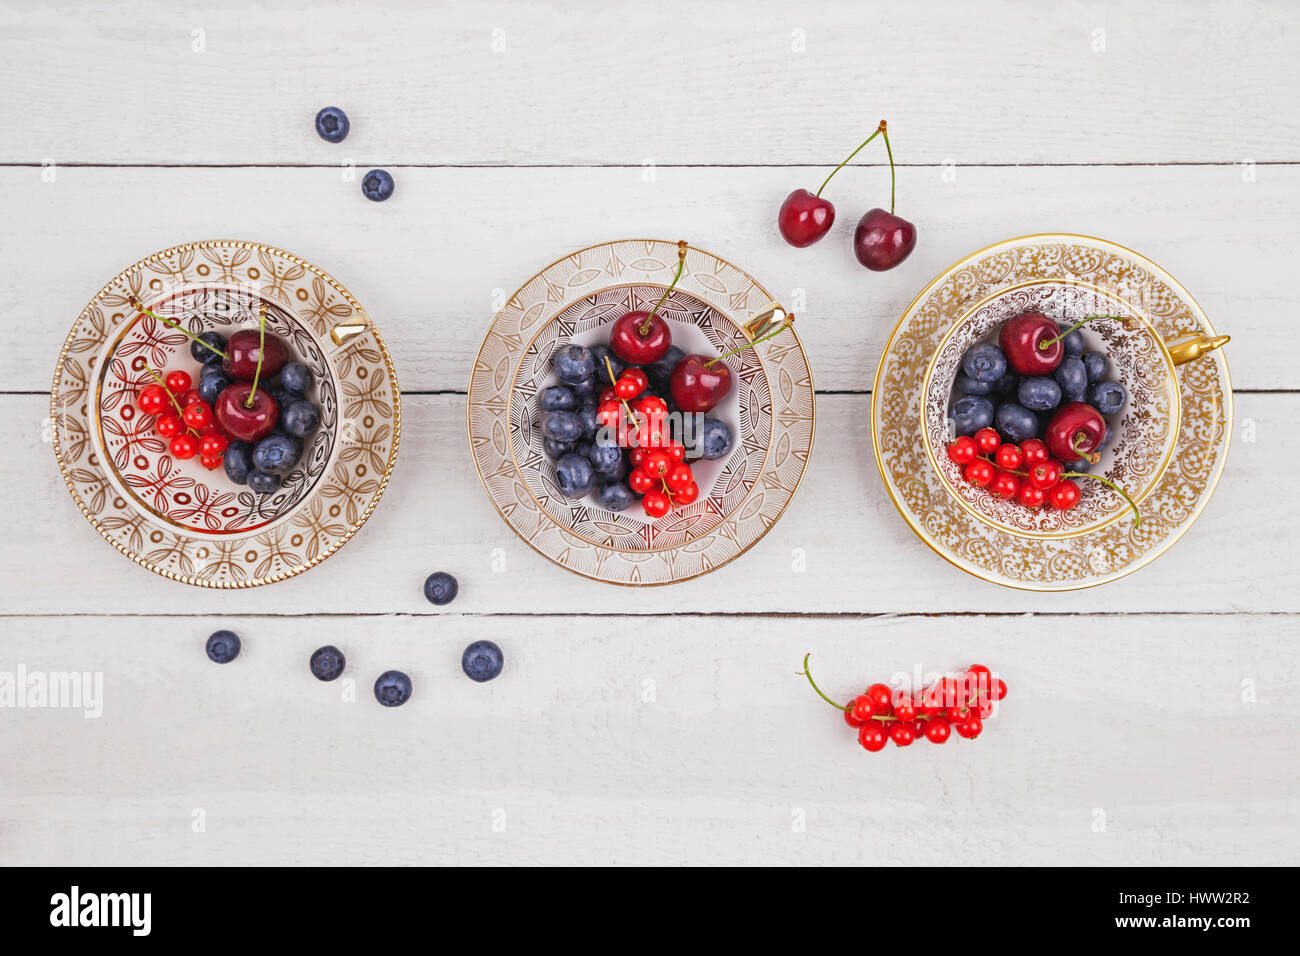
(345, 332)
(1192, 349)
(766, 321)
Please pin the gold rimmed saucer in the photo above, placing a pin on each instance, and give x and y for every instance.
(1111, 552)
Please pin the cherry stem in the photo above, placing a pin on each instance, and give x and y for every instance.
(749, 345)
(893, 176)
(261, 354)
(176, 325)
(644, 327)
(808, 674)
(1046, 344)
(1090, 457)
(180, 413)
(1137, 516)
(879, 129)
(631, 415)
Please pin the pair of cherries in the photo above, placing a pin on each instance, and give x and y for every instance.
(881, 240)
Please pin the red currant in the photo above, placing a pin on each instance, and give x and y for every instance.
(608, 414)
(984, 708)
(212, 445)
(979, 472)
(656, 464)
(882, 698)
(872, 736)
(902, 734)
(978, 677)
(675, 451)
(937, 730)
(1030, 495)
(988, 441)
(637, 457)
(964, 450)
(152, 399)
(969, 728)
(850, 719)
(956, 714)
(1064, 495)
(640, 482)
(168, 425)
(626, 387)
(211, 464)
(184, 446)
(1045, 474)
(905, 709)
(178, 382)
(1004, 485)
(1007, 457)
(678, 477)
(190, 397)
(651, 405)
(607, 394)
(197, 416)
(998, 690)
(862, 708)
(688, 494)
(1033, 452)
(656, 504)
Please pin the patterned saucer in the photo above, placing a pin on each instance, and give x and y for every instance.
(770, 411)
(1062, 563)
(175, 517)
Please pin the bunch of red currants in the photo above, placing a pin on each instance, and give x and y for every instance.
(184, 419)
(640, 421)
(1025, 472)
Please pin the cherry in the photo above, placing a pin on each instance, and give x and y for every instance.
(640, 337)
(805, 217)
(902, 734)
(963, 451)
(698, 383)
(882, 698)
(656, 504)
(1032, 452)
(178, 382)
(988, 441)
(197, 416)
(243, 421)
(168, 425)
(1075, 431)
(1030, 495)
(1032, 343)
(1008, 457)
(184, 446)
(883, 240)
(245, 349)
(1064, 496)
(979, 472)
(872, 736)
(1045, 475)
(937, 730)
(152, 399)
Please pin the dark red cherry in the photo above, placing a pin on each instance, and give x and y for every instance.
(640, 338)
(242, 352)
(883, 240)
(1024, 339)
(697, 386)
(237, 419)
(1074, 432)
(804, 218)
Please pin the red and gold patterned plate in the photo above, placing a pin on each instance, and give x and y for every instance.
(176, 517)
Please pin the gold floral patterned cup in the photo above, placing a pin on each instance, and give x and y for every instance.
(1143, 434)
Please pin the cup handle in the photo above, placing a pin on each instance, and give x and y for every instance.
(766, 321)
(1192, 349)
(345, 332)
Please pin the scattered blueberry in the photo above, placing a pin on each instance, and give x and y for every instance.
(482, 661)
(296, 377)
(212, 382)
(573, 363)
(1074, 343)
(556, 449)
(574, 474)
(238, 461)
(605, 457)
(377, 185)
(262, 482)
(715, 439)
(441, 588)
(598, 355)
(223, 647)
(332, 124)
(973, 386)
(327, 662)
(562, 426)
(557, 398)
(205, 356)
(300, 418)
(971, 413)
(615, 496)
(1108, 397)
(392, 688)
(276, 453)
(1039, 393)
(984, 362)
(1096, 365)
(1016, 423)
(1072, 377)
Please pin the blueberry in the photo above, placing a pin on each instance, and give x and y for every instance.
(556, 449)
(223, 647)
(1108, 397)
(238, 461)
(573, 363)
(482, 661)
(300, 419)
(615, 495)
(1007, 384)
(984, 362)
(1096, 365)
(562, 426)
(971, 413)
(296, 377)
(574, 475)
(1072, 377)
(332, 124)
(661, 372)
(598, 355)
(262, 482)
(1105, 439)
(1083, 465)
(392, 688)
(973, 386)
(1016, 423)
(377, 185)
(277, 453)
(327, 662)
(441, 588)
(715, 439)
(557, 398)
(589, 423)
(1039, 393)
(283, 398)
(1074, 343)
(212, 382)
(204, 355)
(584, 390)
(605, 457)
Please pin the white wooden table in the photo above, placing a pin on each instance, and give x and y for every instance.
(1152, 720)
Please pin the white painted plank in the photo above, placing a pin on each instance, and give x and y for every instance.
(860, 555)
(686, 740)
(430, 263)
(997, 81)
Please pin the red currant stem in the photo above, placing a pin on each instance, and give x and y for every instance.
(180, 413)
(1137, 516)
(176, 325)
(808, 674)
(631, 416)
(1046, 344)
(879, 129)
(893, 176)
(644, 327)
(749, 345)
(261, 354)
